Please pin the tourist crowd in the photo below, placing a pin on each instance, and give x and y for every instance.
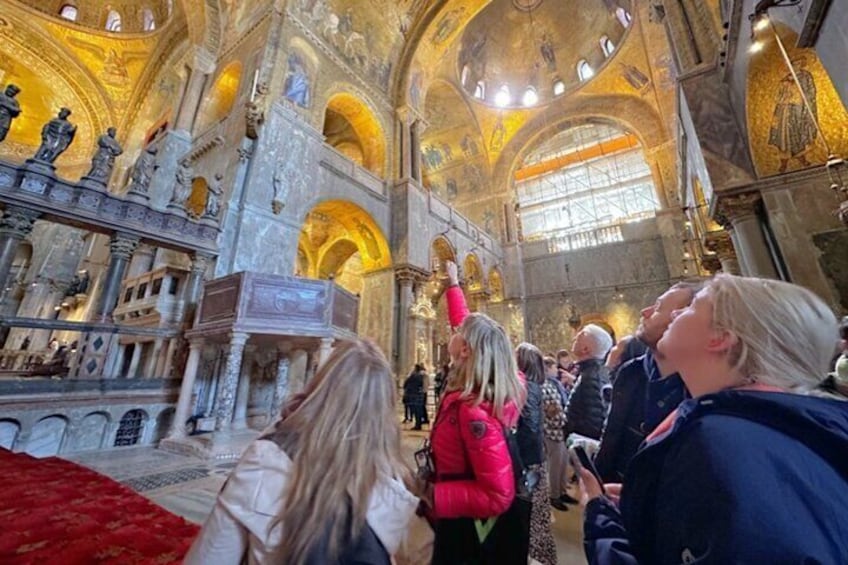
(719, 431)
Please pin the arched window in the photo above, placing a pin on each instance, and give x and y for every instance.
(464, 76)
(113, 21)
(584, 70)
(530, 97)
(579, 187)
(149, 20)
(624, 17)
(69, 12)
(503, 98)
(480, 90)
(607, 46)
(559, 87)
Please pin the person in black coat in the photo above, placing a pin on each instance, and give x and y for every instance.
(585, 413)
(754, 467)
(413, 391)
(646, 389)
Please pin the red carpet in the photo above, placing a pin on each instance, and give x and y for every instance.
(55, 511)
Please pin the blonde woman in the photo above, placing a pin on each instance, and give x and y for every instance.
(472, 498)
(754, 467)
(326, 484)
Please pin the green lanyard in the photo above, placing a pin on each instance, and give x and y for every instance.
(484, 528)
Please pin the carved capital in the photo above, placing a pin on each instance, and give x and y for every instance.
(238, 340)
(720, 244)
(199, 263)
(410, 275)
(122, 245)
(17, 222)
(731, 209)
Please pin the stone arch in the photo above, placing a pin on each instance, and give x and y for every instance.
(355, 130)
(219, 100)
(441, 251)
(90, 432)
(332, 221)
(334, 257)
(9, 431)
(628, 112)
(47, 436)
(164, 421)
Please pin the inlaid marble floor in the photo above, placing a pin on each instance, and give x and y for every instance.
(187, 486)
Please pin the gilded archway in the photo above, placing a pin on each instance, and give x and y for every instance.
(220, 98)
(353, 130)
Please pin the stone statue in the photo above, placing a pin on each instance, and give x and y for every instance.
(182, 190)
(142, 171)
(56, 136)
(213, 198)
(9, 109)
(104, 158)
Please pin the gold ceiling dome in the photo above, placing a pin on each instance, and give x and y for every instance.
(114, 16)
(521, 53)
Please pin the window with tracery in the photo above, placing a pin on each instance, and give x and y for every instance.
(578, 188)
(69, 12)
(113, 21)
(130, 428)
(624, 17)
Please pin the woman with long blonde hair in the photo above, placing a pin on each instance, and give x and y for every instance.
(754, 467)
(471, 500)
(326, 484)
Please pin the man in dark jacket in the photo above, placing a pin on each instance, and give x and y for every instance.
(413, 390)
(585, 413)
(646, 389)
(741, 477)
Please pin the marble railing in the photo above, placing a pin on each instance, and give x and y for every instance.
(34, 186)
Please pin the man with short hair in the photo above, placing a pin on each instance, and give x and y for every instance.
(646, 390)
(585, 413)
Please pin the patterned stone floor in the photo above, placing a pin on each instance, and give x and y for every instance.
(187, 486)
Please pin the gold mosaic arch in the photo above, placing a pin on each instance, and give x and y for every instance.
(332, 221)
(496, 287)
(473, 271)
(220, 99)
(782, 135)
(366, 124)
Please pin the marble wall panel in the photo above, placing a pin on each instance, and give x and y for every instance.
(88, 434)
(47, 436)
(9, 430)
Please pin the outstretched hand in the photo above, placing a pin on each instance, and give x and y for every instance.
(453, 272)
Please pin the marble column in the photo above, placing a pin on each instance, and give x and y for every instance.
(741, 211)
(281, 386)
(141, 262)
(228, 381)
(203, 64)
(121, 247)
(405, 299)
(169, 357)
(242, 395)
(403, 117)
(15, 225)
(324, 350)
(194, 284)
(136, 357)
(183, 410)
(153, 361)
(418, 127)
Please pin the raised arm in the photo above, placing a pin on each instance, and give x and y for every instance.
(457, 308)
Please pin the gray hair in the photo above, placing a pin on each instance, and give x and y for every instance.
(786, 334)
(601, 340)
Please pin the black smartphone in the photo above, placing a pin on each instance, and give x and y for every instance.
(583, 460)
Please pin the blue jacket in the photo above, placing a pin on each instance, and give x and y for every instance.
(741, 477)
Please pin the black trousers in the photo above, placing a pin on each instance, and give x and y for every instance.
(456, 541)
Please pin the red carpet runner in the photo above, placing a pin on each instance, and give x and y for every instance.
(55, 511)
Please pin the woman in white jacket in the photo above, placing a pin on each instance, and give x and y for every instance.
(326, 484)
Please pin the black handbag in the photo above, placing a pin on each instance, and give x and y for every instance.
(526, 479)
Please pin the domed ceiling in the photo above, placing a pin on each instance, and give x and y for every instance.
(516, 53)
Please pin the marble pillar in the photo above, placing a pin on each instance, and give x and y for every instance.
(406, 297)
(721, 244)
(141, 262)
(183, 410)
(324, 350)
(153, 360)
(403, 117)
(194, 285)
(121, 247)
(740, 211)
(15, 225)
(191, 99)
(228, 381)
(242, 396)
(169, 358)
(415, 147)
(132, 371)
(281, 386)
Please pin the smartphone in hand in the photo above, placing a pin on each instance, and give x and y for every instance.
(581, 459)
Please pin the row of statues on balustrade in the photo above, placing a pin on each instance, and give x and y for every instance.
(58, 134)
